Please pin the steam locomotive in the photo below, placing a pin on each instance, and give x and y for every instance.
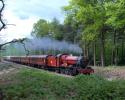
(61, 63)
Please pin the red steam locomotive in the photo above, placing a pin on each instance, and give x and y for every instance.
(62, 63)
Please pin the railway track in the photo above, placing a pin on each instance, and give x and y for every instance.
(14, 67)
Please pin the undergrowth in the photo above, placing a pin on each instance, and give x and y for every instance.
(31, 84)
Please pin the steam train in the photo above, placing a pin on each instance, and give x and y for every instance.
(61, 63)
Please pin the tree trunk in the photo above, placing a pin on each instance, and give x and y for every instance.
(112, 57)
(85, 49)
(116, 56)
(114, 49)
(94, 53)
(102, 49)
(122, 51)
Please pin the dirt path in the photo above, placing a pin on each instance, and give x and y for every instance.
(6, 67)
(111, 73)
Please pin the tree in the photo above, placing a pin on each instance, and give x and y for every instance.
(41, 28)
(92, 15)
(56, 29)
(51, 29)
(2, 26)
(1, 20)
(98, 26)
(71, 29)
(116, 19)
(16, 41)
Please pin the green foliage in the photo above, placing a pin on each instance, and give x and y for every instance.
(41, 28)
(35, 84)
(14, 49)
(88, 21)
(116, 13)
(44, 28)
(98, 20)
(91, 14)
(32, 84)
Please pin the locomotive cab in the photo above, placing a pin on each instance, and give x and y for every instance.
(82, 62)
(83, 68)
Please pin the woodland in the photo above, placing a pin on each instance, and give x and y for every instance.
(97, 26)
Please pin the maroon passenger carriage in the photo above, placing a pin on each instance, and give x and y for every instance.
(62, 63)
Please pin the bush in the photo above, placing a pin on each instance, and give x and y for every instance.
(97, 88)
(32, 84)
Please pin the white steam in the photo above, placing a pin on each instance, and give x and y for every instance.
(47, 43)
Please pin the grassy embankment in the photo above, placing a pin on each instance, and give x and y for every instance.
(33, 84)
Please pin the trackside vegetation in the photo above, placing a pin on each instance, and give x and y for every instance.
(34, 84)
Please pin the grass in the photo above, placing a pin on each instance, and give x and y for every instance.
(33, 84)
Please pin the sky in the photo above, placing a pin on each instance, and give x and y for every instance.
(22, 14)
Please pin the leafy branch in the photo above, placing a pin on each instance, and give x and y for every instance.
(16, 41)
(1, 20)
